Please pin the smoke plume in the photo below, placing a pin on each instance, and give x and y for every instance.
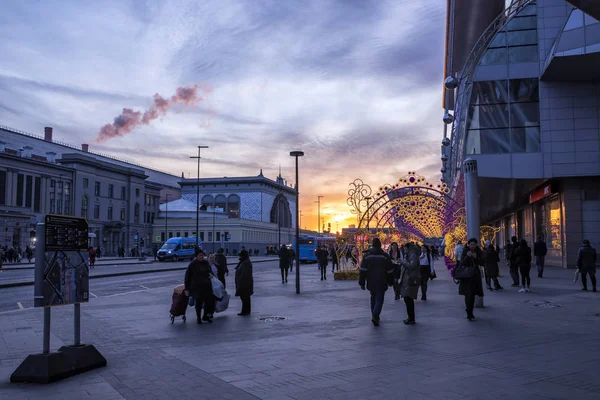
(128, 120)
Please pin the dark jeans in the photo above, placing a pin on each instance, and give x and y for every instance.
(284, 274)
(334, 266)
(525, 279)
(539, 262)
(425, 271)
(584, 279)
(488, 282)
(292, 264)
(410, 307)
(377, 299)
(514, 274)
(246, 304)
(470, 304)
(397, 288)
(209, 305)
(323, 268)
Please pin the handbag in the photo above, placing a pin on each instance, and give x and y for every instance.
(222, 304)
(463, 272)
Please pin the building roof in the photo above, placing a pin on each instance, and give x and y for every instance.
(279, 184)
(16, 139)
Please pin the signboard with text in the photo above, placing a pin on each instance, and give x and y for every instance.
(540, 193)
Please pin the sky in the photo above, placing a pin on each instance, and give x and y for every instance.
(354, 84)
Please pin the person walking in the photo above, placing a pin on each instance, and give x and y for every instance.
(92, 255)
(377, 270)
(284, 262)
(410, 278)
(323, 260)
(471, 287)
(221, 264)
(522, 256)
(586, 263)
(334, 260)
(396, 257)
(198, 285)
(491, 258)
(513, 265)
(292, 259)
(425, 270)
(244, 282)
(539, 251)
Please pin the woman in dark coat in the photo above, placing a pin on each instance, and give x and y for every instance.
(199, 286)
(244, 282)
(471, 257)
(491, 258)
(522, 256)
(396, 256)
(410, 278)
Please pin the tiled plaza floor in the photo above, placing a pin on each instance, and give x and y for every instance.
(520, 347)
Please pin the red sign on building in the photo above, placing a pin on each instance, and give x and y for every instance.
(540, 193)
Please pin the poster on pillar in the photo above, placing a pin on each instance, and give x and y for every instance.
(66, 271)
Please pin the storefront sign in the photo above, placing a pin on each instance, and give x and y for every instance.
(540, 193)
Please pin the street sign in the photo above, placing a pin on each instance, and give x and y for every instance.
(158, 238)
(66, 233)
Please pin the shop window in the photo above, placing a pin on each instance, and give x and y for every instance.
(553, 224)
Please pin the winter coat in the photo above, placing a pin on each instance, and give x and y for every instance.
(377, 269)
(410, 272)
(522, 256)
(221, 263)
(284, 258)
(244, 282)
(473, 286)
(586, 259)
(490, 262)
(513, 255)
(197, 279)
(540, 248)
(323, 257)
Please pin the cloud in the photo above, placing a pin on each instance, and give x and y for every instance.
(356, 85)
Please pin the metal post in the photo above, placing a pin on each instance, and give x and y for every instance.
(167, 195)
(213, 231)
(319, 213)
(297, 249)
(40, 265)
(198, 195)
(472, 207)
(46, 330)
(77, 324)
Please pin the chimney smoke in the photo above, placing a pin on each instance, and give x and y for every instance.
(48, 134)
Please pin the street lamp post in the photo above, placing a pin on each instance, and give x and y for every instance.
(213, 231)
(319, 213)
(167, 195)
(198, 194)
(297, 249)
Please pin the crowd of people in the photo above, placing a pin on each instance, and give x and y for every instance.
(14, 254)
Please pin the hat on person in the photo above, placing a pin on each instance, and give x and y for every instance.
(586, 242)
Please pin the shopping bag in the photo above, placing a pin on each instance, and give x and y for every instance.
(223, 304)
(576, 277)
(217, 287)
(191, 301)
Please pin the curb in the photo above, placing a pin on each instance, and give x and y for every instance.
(112, 275)
(100, 265)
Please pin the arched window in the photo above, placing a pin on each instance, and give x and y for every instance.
(208, 201)
(221, 202)
(233, 206)
(136, 213)
(84, 206)
(280, 212)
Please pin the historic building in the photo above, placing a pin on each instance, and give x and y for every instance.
(40, 176)
(522, 98)
(255, 212)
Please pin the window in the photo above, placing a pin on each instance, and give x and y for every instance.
(521, 38)
(218, 236)
(178, 234)
(96, 211)
(525, 140)
(524, 114)
(233, 206)
(490, 92)
(162, 237)
(489, 116)
(109, 213)
(226, 236)
(221, 202)
(524, 90)
(136, 213)
(67, 206)
(2, 187)
(59, 204)
(207, 201)
(122, 216)
(494, 57)
(151, 218)
(137, 192)
(210, 236)
(52, 183)
(170, 235)
(84, 206)
(97, 189)
(111, 189)
(28, 191)
(185, 234)
(202, 236)
(37, 193)
(123, 193)
(85, 183)
(522, 54)
(522, 23)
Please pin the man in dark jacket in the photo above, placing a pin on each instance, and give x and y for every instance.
(244, 282)
(198, 285)
(514, 268)
(284, 262)
(323, 260)
(539, 251)
(378, 271)
(586, 263)
(221, 263)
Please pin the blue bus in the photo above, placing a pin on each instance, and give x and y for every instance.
(307, 251)
(178, 248)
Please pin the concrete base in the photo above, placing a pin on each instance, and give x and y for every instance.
(51, 367)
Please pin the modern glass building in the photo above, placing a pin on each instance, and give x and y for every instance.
(522, 98)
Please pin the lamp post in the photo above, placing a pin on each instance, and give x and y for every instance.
(198, 194)
(319, 213)
(167, 195)
(213, 231)
(297, 249)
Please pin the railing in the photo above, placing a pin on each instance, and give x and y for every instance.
(65, 144)
(465, 85)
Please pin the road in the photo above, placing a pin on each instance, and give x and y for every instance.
(17, 298)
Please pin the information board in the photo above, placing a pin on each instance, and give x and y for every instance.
(66, 233)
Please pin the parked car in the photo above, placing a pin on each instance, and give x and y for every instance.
(178, 248)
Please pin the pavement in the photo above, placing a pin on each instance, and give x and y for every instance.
(538, 345)
(15, 277)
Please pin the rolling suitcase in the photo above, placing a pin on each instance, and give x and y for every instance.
(179, 303)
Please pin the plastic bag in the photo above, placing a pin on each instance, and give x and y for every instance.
(217, 287)
(222, 304)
